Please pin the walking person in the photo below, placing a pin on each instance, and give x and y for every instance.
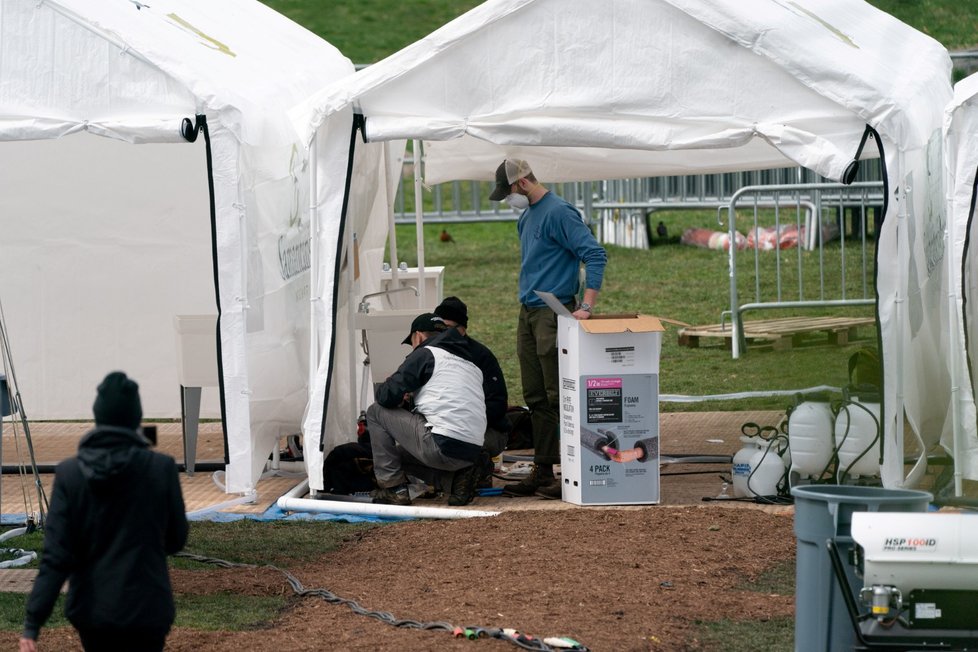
(116, 513)
(554, 242)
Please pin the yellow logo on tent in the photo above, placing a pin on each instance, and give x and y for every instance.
(839, 34)
(211, 43)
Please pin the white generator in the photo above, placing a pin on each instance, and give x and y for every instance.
(920, 580)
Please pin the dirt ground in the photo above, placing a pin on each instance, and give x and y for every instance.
(621, 579)
(610, 579)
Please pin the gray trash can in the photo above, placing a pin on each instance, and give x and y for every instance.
(822, 513)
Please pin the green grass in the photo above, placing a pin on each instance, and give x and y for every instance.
(482, 268)
(749, 635)
(279, 543)
(366, 31)
(774, 635)
(12, 607)
(952, 22)
(228, 611)
(221, 611)
(778, 579)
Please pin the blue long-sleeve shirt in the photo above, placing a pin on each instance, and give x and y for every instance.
(554, 241)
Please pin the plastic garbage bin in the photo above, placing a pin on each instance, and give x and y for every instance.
(824, 513)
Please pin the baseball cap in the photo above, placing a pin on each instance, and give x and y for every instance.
(453, 309)
(425, 323)
(509, 172)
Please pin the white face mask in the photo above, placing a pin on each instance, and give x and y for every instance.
(517, 201)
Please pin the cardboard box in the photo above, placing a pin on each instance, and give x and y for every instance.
(609, 408)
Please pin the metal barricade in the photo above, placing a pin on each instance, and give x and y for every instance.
(789, 228)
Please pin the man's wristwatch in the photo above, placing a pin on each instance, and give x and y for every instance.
(586, 307)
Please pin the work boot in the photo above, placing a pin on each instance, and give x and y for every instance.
(398, 495)
(552, 490)
(529, 485)
(463, 486)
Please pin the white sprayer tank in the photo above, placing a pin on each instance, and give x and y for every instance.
(757, 468)
(856, 433)
(810, 437)
(767, 470)
(742, 467)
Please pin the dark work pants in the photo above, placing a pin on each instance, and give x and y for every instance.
(536, 348)
(123, 640)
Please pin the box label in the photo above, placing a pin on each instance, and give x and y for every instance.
(604, 400)
(617, 438)
(621, 356)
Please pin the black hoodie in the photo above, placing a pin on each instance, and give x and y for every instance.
(116, 513)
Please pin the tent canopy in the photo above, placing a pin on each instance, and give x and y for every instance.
(102, 247)
(128, 69)
(650, 87)
(630, 88)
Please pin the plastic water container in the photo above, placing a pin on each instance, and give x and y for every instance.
(857, 439)
(767, 470)
(810, 435)
(741, 465)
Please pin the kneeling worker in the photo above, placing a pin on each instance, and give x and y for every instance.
(431, 411)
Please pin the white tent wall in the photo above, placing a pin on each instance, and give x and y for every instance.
(961, 163)
(134, 72)
(623, 88)
(101, 244)
(349, 256)
(914, 310)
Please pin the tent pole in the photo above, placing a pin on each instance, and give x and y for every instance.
(955, 348)
(314, 297)
(352, 280)
(895, 451)
(419, 222)
(391, 226)
(734, 300)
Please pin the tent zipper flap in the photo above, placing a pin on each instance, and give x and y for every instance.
(190, 130)
(876, 272)
(853, 168)
(962, 289)
(358, 125)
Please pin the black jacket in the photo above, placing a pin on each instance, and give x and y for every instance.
(417, 371)
(116, 513)
(418, 366)
(493, 385)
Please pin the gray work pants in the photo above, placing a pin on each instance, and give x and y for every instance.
(399, 437)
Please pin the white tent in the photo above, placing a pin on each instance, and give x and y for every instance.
(961, 163)
(592, 90)
(108, 226)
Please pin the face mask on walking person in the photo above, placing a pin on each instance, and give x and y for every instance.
(517, 201)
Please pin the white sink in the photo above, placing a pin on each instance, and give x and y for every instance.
(385, 330)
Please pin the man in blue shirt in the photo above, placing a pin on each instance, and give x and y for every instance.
(554, 241)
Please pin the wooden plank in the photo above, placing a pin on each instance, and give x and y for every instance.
(782, 333)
